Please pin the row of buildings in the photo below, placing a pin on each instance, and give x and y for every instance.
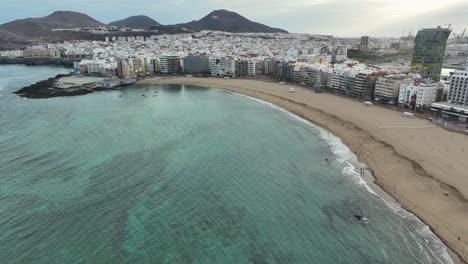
(310, 60)
(350, 78)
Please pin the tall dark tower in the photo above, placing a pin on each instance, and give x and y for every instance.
(365, 40)
(429, 52)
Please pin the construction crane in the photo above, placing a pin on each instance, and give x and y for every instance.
(463, 34)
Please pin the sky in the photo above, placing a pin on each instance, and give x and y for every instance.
(343, 18)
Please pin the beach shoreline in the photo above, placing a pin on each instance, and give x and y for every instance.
(405, 155)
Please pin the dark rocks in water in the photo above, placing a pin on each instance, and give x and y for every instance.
(42, 89)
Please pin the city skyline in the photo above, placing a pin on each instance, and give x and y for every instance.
(332, 17)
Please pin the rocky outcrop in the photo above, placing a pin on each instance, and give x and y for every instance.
(43, 89)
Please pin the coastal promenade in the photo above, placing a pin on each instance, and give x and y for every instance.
(420, 165)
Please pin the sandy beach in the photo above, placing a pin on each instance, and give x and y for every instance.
(422, 166)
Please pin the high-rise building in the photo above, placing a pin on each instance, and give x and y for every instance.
(138, 66)
(429, 52)
(241, 68)
(174, 64)
(164, 64)
(458, 93)
(364, 46)
(195, 64)
(365, 41)
(364, 85)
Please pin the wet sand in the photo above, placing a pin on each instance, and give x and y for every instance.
(422, 166)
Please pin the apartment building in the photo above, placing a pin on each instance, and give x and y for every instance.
(241, 68)
(418, 96)
(426, 94)
(387, 88)
(458, 93)
(364, 85)
(342, 81)
(223, 66)
(196, 64)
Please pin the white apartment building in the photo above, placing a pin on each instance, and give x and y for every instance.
(223, 66)
(426, 94)
(95, 66)
(164, 64)
(422, 95)
(251, 68)
(407, 92)
(458, 93)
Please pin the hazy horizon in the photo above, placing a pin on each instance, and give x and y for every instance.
(342, 18)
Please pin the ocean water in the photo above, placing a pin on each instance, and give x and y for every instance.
(185, 174)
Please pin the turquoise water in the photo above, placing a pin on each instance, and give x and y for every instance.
(184, 175)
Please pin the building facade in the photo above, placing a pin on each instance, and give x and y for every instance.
(387, 88)
(429, 52)
(241, 68)
(407, 96)
(458, 93)
(418, 96)
(426, 94)
(196, 64)
(224, 66)
(342, 81)
(174, 64)
(364, 86)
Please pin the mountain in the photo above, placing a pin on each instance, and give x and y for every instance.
(142, 22)
(32, 27)
(23, 32)
(224, 20)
